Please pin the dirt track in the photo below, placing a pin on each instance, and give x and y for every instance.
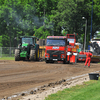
(20, 76)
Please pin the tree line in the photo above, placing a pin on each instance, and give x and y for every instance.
(47, 17)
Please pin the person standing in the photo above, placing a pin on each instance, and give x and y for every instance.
(88, 58)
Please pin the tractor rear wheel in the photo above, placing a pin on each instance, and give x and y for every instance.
(17, 54)
(32, 55)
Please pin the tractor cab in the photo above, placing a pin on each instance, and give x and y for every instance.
(27, 48)
(27, 40)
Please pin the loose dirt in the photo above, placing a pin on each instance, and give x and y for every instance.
(18, 77)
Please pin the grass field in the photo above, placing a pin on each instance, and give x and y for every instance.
(88, 91)
(7, 58)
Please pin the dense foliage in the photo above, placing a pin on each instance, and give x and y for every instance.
(46, 17)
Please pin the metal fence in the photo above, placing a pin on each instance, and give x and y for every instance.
(10, 52)
(7, 51)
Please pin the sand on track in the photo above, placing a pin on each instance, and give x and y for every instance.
(18, 76)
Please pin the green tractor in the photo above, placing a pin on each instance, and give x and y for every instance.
(27, 49)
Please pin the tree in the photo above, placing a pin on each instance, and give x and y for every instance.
(47, 17)
(15, 20)
(0, 41)
(69, 15)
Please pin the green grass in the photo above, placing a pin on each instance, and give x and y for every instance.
(7, 58)
(89, 91)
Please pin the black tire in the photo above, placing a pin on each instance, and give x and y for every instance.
(32, 55)
(46, 61)
(27, 57)
(65, 61)
(17, 54)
